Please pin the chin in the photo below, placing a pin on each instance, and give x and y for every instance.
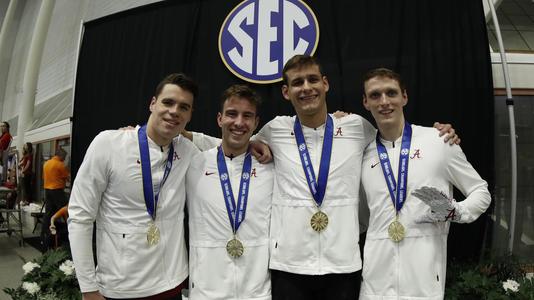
(170, 134)
(384, 121)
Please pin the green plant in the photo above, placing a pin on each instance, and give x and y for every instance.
(50, 276)
(499, 278)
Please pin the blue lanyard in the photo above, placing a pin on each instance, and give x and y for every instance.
(151, 200)
(400, 189)
(236, 215)
(317, 189)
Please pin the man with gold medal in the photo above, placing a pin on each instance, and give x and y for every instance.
(314, 251)
(229, 196)
(405, 248)
(132, 184)
(314, 220)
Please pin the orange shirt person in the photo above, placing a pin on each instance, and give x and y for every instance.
(55, 176)
(61, 213)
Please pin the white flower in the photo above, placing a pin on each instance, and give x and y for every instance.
(29, 266)
(67, 267)
(510, 285)
(31, 287)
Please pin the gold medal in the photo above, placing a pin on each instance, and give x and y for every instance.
(235, 248)
(319, 221)
(396, 231)
(152, 235)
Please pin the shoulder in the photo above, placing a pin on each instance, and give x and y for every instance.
(198, 159)
(113, 139)
(281, 121)
(429, 137)
(353, 120)
(114, 135)
(185, 146)
(427, 134)
(350, 118)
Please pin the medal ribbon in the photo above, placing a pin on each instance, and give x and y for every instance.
(236, 215)
(317, 189)
(400, 189)
(151, 200)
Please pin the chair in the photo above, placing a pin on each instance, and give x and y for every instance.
(38, 216)
(13, 220)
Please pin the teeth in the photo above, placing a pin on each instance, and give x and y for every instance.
(310, 97)
(238, 132)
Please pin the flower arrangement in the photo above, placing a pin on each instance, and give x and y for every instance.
(51, 276)
(502, 278)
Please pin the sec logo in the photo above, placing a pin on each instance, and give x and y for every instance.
(259, 36)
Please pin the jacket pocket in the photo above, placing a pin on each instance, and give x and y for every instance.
(295, 243)
(109, 250)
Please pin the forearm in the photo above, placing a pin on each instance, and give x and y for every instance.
(475, 204)
(80, 237)
(204, 142)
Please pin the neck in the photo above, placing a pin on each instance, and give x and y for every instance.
(158, 139)
(233, 151)
(314, 120)
(391, 132)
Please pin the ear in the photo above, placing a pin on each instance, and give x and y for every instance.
(256, 122)
(365, 102)
(326, 84)
(285, 92)
(404, 98)
(153, 104)
(219, 119)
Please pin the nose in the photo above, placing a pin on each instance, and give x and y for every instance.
(384, 99)
(239, 121)
(306, 85)
(173, 110)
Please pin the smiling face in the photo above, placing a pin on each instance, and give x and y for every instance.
(306, 88)
(385, 100)
(238, 120)
(170, 112)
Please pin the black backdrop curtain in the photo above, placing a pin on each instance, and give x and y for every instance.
(440, 48)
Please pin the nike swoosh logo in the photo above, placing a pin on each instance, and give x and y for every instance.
(374, 165)
(209, 173)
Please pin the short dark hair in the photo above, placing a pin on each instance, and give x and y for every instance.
(298, 61)
(61, 152)
(383, 72)
(179, 79)
(241, 91)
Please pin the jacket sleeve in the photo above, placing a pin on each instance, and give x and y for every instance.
(464, 177)
(369, 131)
(86, 195)
(264, 134)
(205, 142)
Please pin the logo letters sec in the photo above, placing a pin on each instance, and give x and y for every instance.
(259, 36)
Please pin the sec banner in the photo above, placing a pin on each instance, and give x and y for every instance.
(259, 36)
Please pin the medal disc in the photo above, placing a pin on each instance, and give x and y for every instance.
(152, 235)
(235, 248)
(396, 231)
(319, 221)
